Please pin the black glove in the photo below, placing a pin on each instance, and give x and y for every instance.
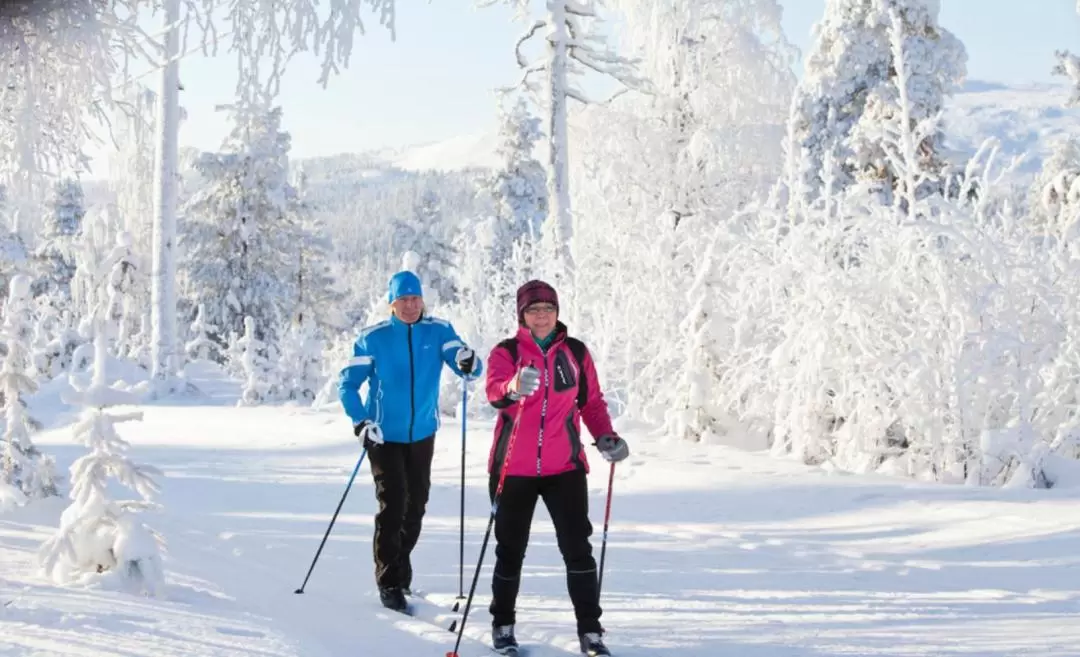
(466, 360)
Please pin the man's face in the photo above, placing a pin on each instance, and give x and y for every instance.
(408, 308)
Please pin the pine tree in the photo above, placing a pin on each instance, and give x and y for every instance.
(848, 97)
(253, 358)
(419, 238)
(317, 297)
(202, 346)
(243, 228)
(22, 466)
(300, 366)
(100, 539)
(518, 187)
(55, 255)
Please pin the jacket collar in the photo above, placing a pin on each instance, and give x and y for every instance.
(525, 335)
(397, 323)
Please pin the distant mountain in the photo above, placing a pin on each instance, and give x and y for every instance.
(1026, 119)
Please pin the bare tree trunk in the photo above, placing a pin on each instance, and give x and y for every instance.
(163, 272)
(559, 230)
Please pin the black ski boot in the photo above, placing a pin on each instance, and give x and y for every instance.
(393, 598)
(593, 646)
(503, 641)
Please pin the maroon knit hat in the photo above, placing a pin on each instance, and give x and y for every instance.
(535, 292)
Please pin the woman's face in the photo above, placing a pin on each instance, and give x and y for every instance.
(541, 318)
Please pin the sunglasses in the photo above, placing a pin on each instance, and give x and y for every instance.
(540, 308)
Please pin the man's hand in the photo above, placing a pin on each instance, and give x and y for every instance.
(369, 433)
(466, 360)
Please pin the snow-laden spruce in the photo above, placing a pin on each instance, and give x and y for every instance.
(55, 253)
(202, 346)
(422, 239)
(254, 360)
(300, 364)
(25, 473)
(848, 94)
(103, 541)
(243, 227)
(518, 186)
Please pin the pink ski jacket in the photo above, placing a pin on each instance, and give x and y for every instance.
(548, 438)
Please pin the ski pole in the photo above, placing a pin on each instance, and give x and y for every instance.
(336, 511)
(461, 534)
(487, 532)
(607, 518)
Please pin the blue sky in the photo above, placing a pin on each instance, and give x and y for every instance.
(435, 81)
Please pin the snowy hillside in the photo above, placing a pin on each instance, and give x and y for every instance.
(1027, 119)
(712, 551)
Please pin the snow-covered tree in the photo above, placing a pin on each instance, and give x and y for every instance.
(22, 466)
(243, 229)
(419, 238)
(102, 540)
(55, 340)
(300, 366)
(1054, 197)
(202, 346)
(120, 270)
(57, 81)
(317, 296)
(517, 186)
(284, 30)
(657, 171)
(572, 47)
(255, 360)
(55, 254)
(848, 98)
(1069, 66)
(721, 84)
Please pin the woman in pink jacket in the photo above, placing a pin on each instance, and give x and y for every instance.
(545, 382)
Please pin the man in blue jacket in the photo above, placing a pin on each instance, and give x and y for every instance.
(401, 360)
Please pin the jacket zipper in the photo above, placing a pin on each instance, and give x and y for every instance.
(412, 387)
(543, 414)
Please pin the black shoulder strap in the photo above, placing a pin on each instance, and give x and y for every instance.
(510, 344)
(577, 347)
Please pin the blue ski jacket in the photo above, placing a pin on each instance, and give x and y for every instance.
(402, 364)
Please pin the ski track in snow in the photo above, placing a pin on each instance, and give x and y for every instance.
(711, 551)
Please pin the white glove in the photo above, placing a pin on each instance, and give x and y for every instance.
(466, 360)
(524, 383)
(368, 431)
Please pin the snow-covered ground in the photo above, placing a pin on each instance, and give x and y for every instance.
(711, 551)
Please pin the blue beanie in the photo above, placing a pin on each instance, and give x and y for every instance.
(403, 284)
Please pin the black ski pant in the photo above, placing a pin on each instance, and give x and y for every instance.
(566, 497)
(402, 473)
